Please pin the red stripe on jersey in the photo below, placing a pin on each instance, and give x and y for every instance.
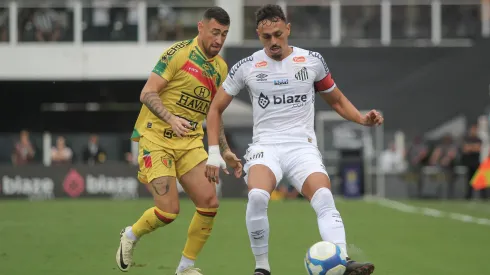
(324, 84)
(197, 73)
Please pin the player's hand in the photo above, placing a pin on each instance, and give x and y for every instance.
(234, 162)
(373, 118)
(214, 163)
(179, 125)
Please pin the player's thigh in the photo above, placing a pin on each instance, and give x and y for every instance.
(158, 175)
(262, 168)
(165, 194)
(306, 171)
(191, 168)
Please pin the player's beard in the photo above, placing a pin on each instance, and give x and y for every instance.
(276, 52)
(212, 51)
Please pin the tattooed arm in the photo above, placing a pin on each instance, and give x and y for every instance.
(149, 96)
(223, 144)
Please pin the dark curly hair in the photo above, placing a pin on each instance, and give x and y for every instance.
(270, 12)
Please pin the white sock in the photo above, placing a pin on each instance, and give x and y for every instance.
(258, 226)
(129, 233)
(184, 263)
(329, 221)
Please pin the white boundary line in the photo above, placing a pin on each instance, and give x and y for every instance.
(429, 212)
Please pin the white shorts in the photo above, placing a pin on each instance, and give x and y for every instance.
(294, 160)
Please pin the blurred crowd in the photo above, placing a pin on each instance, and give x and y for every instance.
(443, 156)
(100, 22)
(26, 152)
(104, 21)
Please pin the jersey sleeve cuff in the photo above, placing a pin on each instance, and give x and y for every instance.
(229, 90)
(328, 90)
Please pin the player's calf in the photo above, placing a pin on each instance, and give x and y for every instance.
(165, 195)
(203, 194)
(330, 224)
(165, 212)
(258, 228)
(152, 219)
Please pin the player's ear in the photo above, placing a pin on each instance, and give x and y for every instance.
(200, 26)
(257, 31)
(288, 27)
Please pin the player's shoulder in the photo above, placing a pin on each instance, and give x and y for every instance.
(301, 55)
(313, 56)
(244, 63)
(222, 63)
(297, 51)
(178, 48)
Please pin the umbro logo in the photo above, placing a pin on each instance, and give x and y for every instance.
(302, 74)
(261, 77)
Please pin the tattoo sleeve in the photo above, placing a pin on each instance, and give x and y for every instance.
(155, 105)
(223, 144)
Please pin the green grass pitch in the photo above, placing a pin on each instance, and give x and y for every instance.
(80, 237)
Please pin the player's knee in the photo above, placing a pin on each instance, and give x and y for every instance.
(208, 201)
(322, 201)
(258, 199)
(167, 204)
(173, 208)
(213, 202)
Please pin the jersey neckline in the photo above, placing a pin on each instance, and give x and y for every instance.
(284, 59)
(198, 47)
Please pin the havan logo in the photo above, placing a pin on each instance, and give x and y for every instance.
(193, 103)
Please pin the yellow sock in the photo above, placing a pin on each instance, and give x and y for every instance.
(152, 219)
(199, 231)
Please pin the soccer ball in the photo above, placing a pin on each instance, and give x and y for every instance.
(325, 258)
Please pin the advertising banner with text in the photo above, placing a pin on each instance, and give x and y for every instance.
(112, 181)
(116, 181)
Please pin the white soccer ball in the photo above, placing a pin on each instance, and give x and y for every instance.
(325, 258)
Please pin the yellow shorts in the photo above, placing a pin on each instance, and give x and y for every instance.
(156, 161)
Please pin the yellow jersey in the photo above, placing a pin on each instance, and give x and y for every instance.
(193, 80)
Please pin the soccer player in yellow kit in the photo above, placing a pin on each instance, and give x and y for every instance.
(169, 130)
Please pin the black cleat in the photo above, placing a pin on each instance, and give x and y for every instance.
(356, 268)
(260, 271)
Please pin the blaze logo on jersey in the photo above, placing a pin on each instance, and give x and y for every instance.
(263, 101)
(302, 75)
(296, 100)
(281, 82)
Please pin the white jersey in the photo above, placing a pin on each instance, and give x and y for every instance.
(282, 93)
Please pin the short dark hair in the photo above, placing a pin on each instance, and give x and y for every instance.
(269, 12)
(218, 14)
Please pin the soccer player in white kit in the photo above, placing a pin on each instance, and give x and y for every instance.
(282, 81)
